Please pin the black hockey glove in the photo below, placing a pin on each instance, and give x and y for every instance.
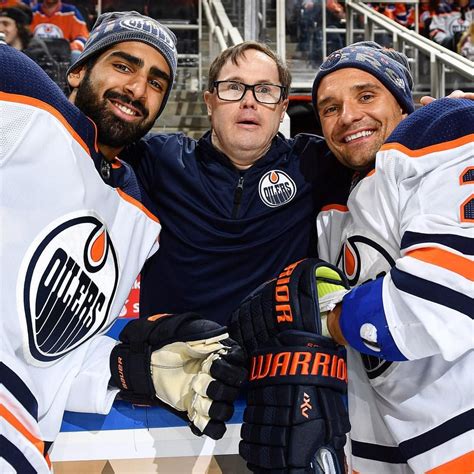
(295, 420)
(185, 363)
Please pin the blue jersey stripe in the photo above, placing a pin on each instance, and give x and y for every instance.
(448, 430)
(412, 447)
(435, 124)
(464, 245)
(19, 390)
(376, 452)
(434, 292)
(15, 457)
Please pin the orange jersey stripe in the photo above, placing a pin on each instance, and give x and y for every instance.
(23, 99)
(429, 149)
(13, 421)
(138, 204)
(462, 465)
(335, 207)
(448, 260)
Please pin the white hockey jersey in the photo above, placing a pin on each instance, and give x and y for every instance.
(71, 247)
(408, 246)
(450, 25)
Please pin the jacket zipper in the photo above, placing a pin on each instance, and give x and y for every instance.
(238, 197)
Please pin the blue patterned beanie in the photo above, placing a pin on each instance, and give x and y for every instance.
(390, 67)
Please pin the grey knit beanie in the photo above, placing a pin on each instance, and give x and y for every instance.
(116, 27)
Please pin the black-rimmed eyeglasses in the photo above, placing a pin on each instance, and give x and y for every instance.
(233, 91)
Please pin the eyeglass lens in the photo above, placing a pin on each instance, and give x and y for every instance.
(265, 93)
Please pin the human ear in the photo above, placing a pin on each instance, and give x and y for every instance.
(208, 100)
(283, 110)
(75, 77)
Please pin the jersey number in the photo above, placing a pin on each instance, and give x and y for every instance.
(467, 207)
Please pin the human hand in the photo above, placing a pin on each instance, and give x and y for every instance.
(457, 94)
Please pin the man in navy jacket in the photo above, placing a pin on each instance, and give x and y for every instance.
(239, 202)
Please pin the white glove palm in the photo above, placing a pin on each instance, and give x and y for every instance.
(181, 375)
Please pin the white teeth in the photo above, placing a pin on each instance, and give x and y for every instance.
(125, 109)
(364, 133)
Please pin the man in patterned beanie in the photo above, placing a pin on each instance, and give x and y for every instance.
(362, 72)
(390, 67)
(407, 322)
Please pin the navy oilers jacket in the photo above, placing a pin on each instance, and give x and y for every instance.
(225, 231)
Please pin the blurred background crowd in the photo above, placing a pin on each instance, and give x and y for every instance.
(447, 22)
(52, 32)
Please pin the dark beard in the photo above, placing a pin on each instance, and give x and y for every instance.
(112, 131)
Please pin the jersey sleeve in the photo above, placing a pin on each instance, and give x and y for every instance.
(330, 223)
(39, 87)
(425, 304)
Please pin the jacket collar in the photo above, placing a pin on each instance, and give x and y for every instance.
(208, 152)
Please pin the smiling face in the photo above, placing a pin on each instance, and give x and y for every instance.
(122, 92)
(244, 129)
(9, 28)
(357, 114)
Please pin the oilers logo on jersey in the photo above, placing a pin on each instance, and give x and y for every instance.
(360, 257)
(67, 286)
(48, 30)
(376, 259)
